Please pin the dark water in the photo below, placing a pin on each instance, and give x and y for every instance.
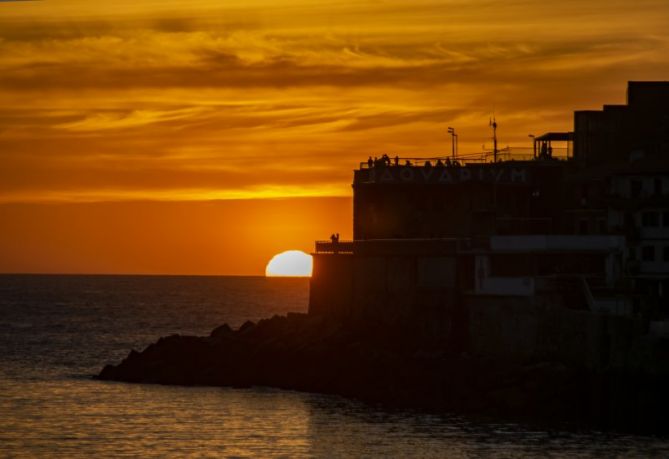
(57, 331)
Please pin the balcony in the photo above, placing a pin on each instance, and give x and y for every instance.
(337, 247)
(412, 247)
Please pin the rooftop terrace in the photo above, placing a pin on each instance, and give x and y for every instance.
(486, 157)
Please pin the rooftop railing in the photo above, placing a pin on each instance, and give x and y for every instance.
(334, 246)
(503, 155)
(402, 245)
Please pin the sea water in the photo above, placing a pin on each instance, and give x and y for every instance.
(57, 332)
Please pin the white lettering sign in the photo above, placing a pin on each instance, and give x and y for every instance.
(447, 175)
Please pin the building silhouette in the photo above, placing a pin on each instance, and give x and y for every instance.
(497, 256)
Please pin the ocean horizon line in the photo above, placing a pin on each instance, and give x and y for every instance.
(26, 274)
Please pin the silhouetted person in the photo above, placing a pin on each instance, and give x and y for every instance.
(334, 238)
(440, 163)
(408, 163)
(397, 160)
(370, 162)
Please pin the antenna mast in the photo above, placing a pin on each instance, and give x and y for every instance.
(493, 124)
(454, 142)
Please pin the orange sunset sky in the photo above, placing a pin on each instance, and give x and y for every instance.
(203, 137)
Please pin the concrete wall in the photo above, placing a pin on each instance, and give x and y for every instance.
(331, 285)
(419, 295)
(527, 243)
(521, 330)
(386, 290)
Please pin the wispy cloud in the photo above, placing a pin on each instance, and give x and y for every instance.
(259, 98)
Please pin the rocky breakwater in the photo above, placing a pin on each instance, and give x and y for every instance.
(392, 367)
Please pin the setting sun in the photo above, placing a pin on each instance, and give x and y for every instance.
(291, 263)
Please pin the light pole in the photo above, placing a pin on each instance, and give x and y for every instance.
(534, 145)
(493, 125)
(454, 137)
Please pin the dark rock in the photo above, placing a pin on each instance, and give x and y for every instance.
(223, 330)
(299, 352)
(246, 326)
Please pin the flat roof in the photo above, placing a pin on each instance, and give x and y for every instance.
(556, 136)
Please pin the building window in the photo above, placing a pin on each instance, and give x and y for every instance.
(648, 253)
(635, 188)
(650, 219)
(583, 226)
(583, 192)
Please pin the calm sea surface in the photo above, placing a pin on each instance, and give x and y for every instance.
(56, 332)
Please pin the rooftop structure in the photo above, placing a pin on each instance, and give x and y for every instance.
(623, 133)
(439, 238)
